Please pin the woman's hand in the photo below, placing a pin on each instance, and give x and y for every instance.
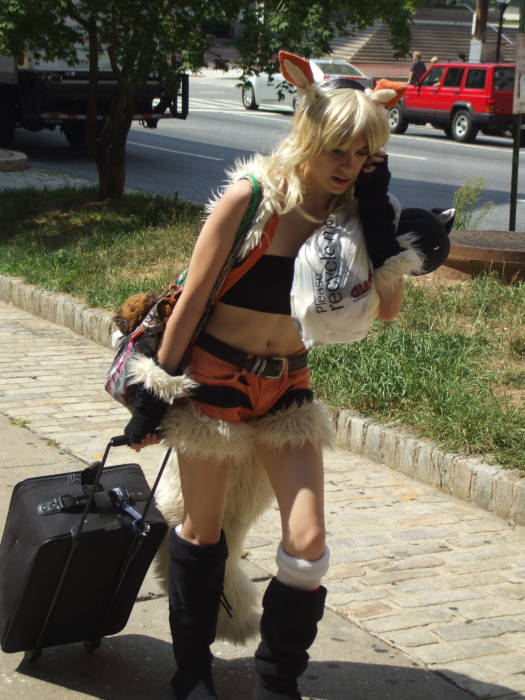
(150, 439)
(147, 415)
(372, 161)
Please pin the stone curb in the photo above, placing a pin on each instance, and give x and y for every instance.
(487, 486)
(12, 160)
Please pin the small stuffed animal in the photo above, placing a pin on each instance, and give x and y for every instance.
(133, 310)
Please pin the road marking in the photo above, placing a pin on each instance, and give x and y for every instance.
(206, 104)
(241, 112)
(402, 155)
(171, 150)
(451, 142)
(224, 110)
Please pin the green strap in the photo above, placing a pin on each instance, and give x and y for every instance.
(246, 220)
(254, 203)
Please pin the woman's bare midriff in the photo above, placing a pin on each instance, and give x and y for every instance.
(255, 332)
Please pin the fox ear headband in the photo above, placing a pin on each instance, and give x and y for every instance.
(297, 71)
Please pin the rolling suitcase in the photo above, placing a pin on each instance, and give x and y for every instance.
(75, 550)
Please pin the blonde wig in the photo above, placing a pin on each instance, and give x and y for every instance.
(325, 120)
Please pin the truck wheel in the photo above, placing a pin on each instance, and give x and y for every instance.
(75, 133)
(248, 97)
(397, 120)
(7, 121)
(462, 127)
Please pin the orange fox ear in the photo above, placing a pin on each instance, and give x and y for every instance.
(296, 70)
(388, 92)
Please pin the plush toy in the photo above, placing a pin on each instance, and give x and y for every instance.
(130, 314)
(134, 309)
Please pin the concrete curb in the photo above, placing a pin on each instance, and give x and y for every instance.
(12, 160)
(487, 486)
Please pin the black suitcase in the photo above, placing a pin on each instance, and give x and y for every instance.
(75, 550)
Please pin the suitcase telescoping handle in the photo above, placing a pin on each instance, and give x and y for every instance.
(90, 479)
(118, 441)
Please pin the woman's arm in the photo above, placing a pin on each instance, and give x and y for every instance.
(390, 302)
(211, 250)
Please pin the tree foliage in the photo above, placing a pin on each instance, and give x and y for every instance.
(165, 37)
(307, 28)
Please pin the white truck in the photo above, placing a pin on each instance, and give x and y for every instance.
(38, 94)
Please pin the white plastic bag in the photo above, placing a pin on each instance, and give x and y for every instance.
(333, 297)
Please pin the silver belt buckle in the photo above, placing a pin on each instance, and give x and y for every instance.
(259, 368)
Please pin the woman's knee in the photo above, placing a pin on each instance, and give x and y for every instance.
(307, 543)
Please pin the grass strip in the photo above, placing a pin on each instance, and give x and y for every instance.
(451, 367)
(66, 240)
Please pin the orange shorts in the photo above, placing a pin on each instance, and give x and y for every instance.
(235, 386)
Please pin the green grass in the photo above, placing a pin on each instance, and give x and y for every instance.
(65, 240)
(450, 368)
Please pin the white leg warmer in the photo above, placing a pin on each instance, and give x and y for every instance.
(301, 573)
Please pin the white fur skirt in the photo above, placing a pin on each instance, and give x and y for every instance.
(188, 431)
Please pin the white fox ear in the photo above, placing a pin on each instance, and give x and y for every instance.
(383, 96)
(296, 70)
(387, 92)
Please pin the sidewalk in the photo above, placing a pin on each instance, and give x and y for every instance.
(137, 664)
(426, 581)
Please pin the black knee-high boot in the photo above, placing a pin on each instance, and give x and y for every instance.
(288, 628)
(196, 579)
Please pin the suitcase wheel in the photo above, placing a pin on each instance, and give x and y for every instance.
(91, 645)
(32, 655)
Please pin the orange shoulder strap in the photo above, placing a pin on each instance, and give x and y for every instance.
(238, 271)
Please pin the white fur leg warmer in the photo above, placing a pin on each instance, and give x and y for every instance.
(301, 573)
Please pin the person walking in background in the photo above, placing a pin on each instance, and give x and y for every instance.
(433, 60)
(462, 57)
(417, 68)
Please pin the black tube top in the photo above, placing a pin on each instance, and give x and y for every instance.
(264, 287)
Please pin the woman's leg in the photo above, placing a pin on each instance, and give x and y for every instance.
(296, 475)
(293, 603)
(198, 553)
(204, 485)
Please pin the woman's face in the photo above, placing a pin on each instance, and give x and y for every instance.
(333, 172)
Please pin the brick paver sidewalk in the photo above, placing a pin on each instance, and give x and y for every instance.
(436, 577)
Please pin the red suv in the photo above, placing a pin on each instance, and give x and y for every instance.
(461, 99)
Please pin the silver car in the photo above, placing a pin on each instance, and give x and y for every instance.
(262, 90)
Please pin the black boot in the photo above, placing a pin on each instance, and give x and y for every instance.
(196, 578)
(288, 628)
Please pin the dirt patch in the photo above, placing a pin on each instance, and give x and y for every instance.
(442, 276)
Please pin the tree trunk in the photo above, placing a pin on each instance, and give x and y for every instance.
(92, 103)
(110, 156)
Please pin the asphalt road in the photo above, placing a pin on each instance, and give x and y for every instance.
(190, 157)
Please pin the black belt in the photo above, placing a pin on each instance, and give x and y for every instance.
(269, 367)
